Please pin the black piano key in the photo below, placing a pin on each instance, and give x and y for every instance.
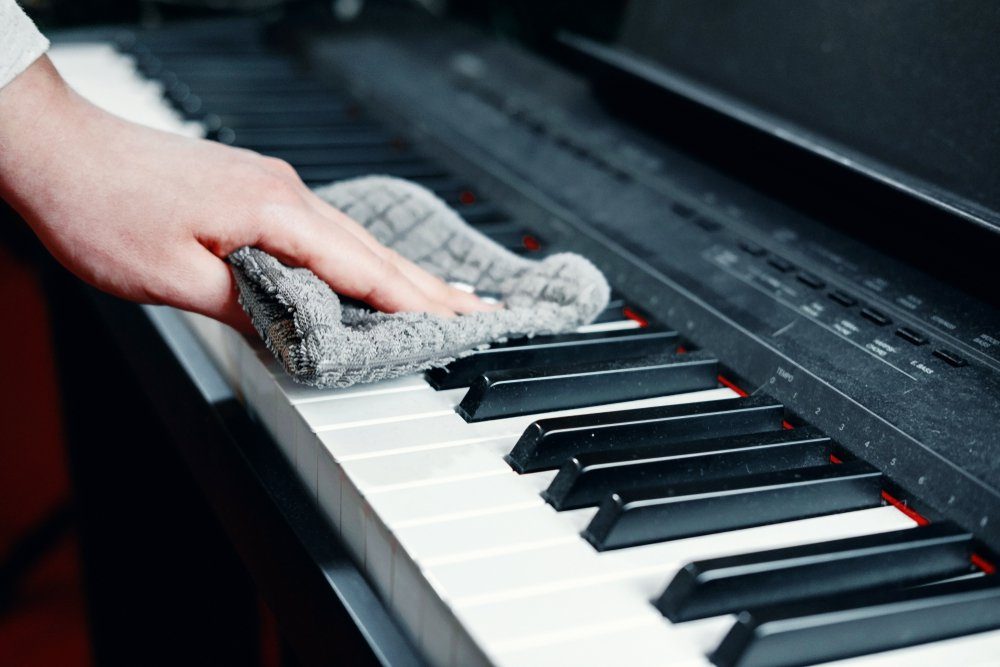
(249, 118)
(273, 135)
(352, 138)
(193, 107)
(511, 237)
(567, 337)
(451, 190)
(779, 576)
(587, 479)
(306, 157)
(859, 624)
(508, 393)
(323, 174)
(459, 195)
(482, 213)
(170, 49)
(547, 443)
(289, 137)
(240, 99)
(220, 61)
(612, 313)
(175, 71)
(177, 89)
(699, 508)
(551, 351)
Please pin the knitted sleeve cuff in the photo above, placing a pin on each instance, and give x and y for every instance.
(20, 42)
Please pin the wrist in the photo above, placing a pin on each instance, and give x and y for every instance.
(38, 115)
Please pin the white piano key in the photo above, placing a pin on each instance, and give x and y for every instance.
(411, 469)
(616, 325)
(451, 430)
(452, 500)
(647, 645)
(436, 543)
(354, 515)
(705, 633)
(437, 632)
(109, 80)
(467, 654)
(648, 568)
(377, 408)
(409, 591)
(328, 490)
(292, 393)
(380, 548)
(513, 625)
(301, 394)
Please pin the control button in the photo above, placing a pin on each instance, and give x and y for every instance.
(810, 279)
(707, 225)
(752, 248)
(781, 264)
(843, 298)
(908, 334)
(875, 316)
(951, 358)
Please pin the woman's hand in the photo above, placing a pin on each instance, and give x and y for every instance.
(150, 216)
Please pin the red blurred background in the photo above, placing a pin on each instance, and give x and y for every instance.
(42, 620)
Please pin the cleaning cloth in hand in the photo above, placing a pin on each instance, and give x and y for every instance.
(324, 340)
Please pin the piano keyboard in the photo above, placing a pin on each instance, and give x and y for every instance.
(510, 509)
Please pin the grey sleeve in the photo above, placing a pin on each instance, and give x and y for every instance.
(20, 42)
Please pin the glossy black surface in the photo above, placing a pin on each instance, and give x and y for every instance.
(778, 576)
(858, 624)
(507, 393)
(544, 351)
(588, 478)
(548, 443)
(696, 508)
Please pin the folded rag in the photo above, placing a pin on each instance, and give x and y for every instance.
(324, 341)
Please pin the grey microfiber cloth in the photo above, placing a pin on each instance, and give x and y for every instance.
(326, 341)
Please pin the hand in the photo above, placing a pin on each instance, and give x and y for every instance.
(150, 216)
